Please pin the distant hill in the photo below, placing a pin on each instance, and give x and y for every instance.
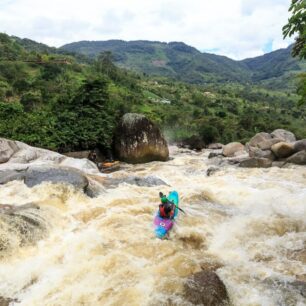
(185, 63)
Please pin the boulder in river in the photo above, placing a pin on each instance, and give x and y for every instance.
(139, 140)
(215, 146)
(267, 144)
(206, 288)
(300, 145)
(258, 153)
(298, 158)
(284, 135)
(254, 162)
(258, 138)
(7, 149)
(193, 143)
(282, 149)
(231, 148)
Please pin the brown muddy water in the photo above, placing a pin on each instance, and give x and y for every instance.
(251, 223)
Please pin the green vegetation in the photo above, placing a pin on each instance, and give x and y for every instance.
(297, 25)
(184, 63)
(60, 101)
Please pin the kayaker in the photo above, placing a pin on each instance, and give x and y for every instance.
(166, 208)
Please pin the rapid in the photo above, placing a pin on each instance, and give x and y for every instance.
(249, 224)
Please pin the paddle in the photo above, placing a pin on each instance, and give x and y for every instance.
(162, 195)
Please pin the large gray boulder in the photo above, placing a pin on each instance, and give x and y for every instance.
(282, 149)
(284, 135)
(267, 144)
(298, 158)
(254, 162)
(231, 148)
(206, 288)
(139, 140)
(7, 149)
(299, 145)
(258, 138)
(35, 175)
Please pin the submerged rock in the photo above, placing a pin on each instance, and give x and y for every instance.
(284, 135)
(147, 181)
(255, 162)
(230, 149)
(206, 288)
(138, 140)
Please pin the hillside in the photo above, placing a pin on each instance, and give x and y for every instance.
(185, 63)
(52, 100)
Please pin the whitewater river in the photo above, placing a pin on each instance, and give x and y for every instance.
(247, 223)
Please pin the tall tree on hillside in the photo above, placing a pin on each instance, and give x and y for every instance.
(297, 26)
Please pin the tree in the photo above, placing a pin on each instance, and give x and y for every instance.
(297, 25)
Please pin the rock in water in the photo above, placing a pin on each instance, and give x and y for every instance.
(298, 158)
(299, 145)
(284, 135)
(138, 140)
(7, 149)
(282, 149)
(255, 162)
(230, 149)
(206, 288)
(258, 138)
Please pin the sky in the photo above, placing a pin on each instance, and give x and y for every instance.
(235, 28)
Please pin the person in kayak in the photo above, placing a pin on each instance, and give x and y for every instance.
(166, 208)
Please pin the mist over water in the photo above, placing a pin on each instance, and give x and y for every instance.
(249, 224)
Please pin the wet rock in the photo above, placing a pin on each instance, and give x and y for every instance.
(300, 286)
(193, 143)
(284, 135)
(212, 170)
(215, 146)
(214, 154)
(278, 164)
(37, 175)
(256, 163)
(138, 140)
(4, 301)
(20, 225)
(258, 138)
(298, 158)
(17, 155)
(267, 144)
(230, 149)
(7, 149)
(258, 153)
(148, 181)
(282, 149)
(206, 288)
(11, 175)
(299, 145)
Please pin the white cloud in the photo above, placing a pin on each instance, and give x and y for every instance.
(236, 28)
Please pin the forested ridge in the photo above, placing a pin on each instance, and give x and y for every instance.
(64, 101)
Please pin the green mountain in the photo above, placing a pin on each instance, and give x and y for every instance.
(185, 63)
(62, 101)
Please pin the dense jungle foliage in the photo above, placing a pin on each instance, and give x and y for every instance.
(62, 101)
